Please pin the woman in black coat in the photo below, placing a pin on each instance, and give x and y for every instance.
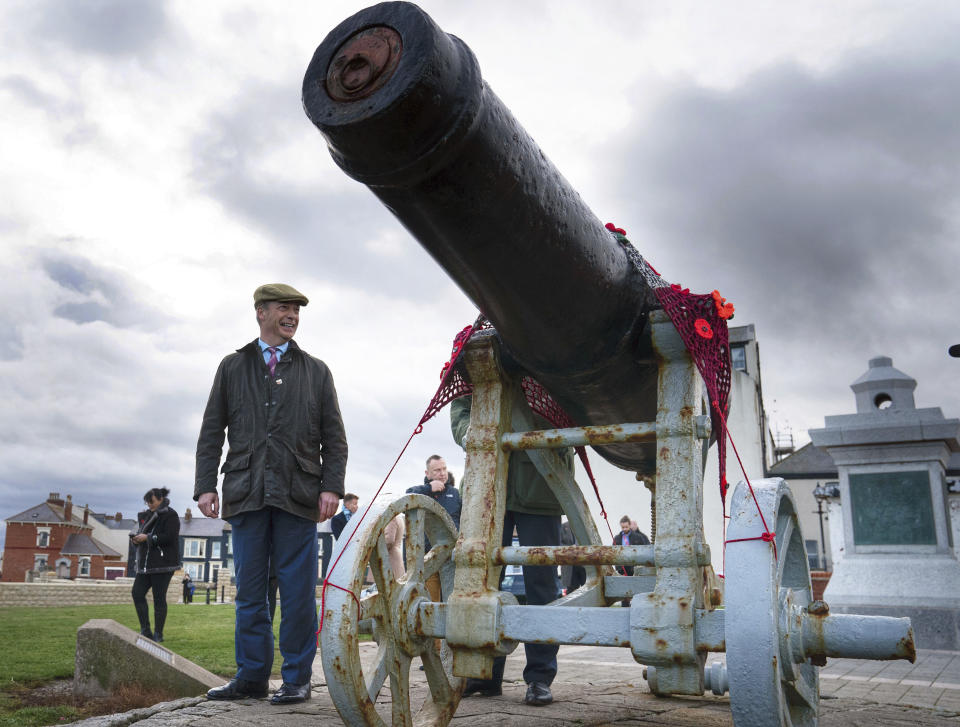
(157, 543)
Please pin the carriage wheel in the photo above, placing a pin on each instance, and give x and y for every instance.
(770, 681)
(390, 614)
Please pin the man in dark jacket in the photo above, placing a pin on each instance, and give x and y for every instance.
(438, 483)
(629, 536)
(283, 473)
(533, 510)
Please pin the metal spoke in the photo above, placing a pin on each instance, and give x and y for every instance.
(784, 534)
(415, 544)
(380, 671)
(371, 607)
(380, 566)
(434, 560)
(804, 690)
(436, 676)
(400, 690)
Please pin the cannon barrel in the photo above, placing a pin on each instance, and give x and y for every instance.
(404, 110)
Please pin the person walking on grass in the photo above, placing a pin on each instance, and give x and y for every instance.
(157, 556)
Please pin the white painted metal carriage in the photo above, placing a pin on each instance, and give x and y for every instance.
(772, 631)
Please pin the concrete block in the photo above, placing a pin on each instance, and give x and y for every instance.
(109, 655)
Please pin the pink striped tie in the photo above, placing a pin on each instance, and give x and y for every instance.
(272, 363)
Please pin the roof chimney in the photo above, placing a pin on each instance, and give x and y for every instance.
(188, 516)
(86, 514)
(68, 509)
(54, 498)
(118, 517)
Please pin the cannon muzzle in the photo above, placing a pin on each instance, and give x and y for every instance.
(404, 110)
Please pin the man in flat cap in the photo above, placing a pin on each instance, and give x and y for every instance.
(284, 473)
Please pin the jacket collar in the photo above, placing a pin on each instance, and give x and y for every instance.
(254, 347)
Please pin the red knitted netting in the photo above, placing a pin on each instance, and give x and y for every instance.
(701, 321)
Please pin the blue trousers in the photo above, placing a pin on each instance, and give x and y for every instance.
(542, 586)
(290, 543)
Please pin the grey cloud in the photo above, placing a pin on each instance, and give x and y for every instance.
(317, 225)
(822, 204)
(112, 28)
(117, 301)
(827, 192)
(11, 344)
(68, 113)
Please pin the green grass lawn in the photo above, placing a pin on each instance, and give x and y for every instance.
(39, 644)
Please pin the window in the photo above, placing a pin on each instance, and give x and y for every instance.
(215, 550)
(813, 554)
(195, 570)
(738, 357)
(84, 569)
(194, 548)
(230, 543)
(40, 562)
(43, 537)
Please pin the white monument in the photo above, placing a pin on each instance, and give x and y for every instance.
(898, 557)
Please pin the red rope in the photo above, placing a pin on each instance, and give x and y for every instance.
(582, 453)
(427, 414)
(768, 536)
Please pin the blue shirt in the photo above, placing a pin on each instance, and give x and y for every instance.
(266, 354)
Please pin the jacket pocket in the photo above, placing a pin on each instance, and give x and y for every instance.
(236, 478)
(307, 480)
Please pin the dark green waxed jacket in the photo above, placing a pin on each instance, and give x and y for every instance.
(527, 491)
(285, 434)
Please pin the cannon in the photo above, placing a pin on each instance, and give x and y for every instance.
(404, 110)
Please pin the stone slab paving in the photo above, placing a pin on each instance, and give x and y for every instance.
(597, 686)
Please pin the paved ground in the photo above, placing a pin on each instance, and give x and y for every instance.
(598, 686)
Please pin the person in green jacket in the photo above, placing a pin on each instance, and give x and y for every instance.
(533, 510)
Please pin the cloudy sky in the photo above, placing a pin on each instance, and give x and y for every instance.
(156, 166)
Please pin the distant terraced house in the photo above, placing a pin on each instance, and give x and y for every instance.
(205, 547)
(50, 537)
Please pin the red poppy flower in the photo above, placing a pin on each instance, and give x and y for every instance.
(613, 228)
(703, 328)
(724, 309)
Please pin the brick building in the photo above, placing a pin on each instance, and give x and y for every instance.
(49, 536)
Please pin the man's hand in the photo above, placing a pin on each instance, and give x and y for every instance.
(209, 504)
(328, 504)
(437, 486)
(139, 538)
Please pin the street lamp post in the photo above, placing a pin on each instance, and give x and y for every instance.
(822, 493)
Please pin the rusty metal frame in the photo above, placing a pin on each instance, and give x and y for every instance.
(672, 622)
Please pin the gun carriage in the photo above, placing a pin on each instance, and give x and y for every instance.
(404, 110)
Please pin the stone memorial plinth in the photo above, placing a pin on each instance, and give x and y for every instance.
(897, 546)
(110, 655)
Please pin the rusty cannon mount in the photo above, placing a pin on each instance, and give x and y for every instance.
(404, 110)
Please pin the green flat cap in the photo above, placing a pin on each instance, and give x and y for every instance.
(278, 291)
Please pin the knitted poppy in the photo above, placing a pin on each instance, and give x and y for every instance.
(613, 228)
(724, 309)
(703, 328)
